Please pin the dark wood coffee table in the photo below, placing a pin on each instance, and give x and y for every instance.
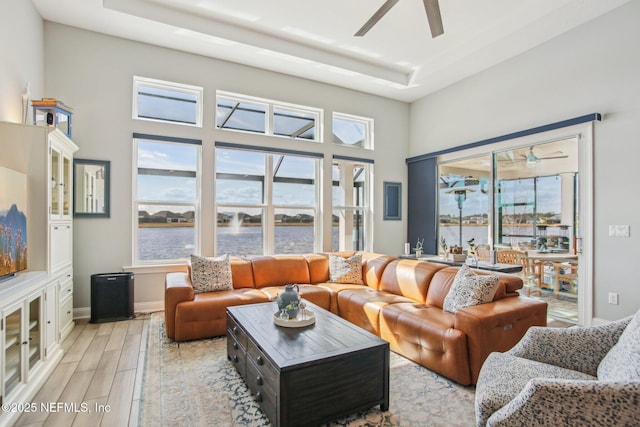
(307, 376)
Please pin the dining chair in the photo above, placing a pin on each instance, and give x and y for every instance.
(567, 273)
(483, 252)
(532, 270)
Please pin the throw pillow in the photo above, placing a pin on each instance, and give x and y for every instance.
(346, 270)
(622, 362)
(211, 274)
(470, 289)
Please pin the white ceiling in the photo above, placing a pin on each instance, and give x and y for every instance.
(397, 59)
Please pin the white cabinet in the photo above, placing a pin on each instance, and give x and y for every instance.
(61, 151)
(36, 306)
(12, 349)
(61, 245)
(51, 336)
(60, 192)
(22, 343)
(65, 304)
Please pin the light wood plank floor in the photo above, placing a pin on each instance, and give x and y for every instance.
(100, 373)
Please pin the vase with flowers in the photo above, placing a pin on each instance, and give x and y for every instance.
(472, 255)
(418, 248)
(443, 246)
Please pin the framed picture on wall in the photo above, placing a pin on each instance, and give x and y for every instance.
(392, 201)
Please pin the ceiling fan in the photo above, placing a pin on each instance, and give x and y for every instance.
(430, 6)
(531, 158)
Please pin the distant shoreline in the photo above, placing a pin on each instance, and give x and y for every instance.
(220, 224)
(300, 224)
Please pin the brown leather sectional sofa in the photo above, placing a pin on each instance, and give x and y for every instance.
(401, 302)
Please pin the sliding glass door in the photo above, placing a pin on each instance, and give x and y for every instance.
(464, 202)
(522, 199)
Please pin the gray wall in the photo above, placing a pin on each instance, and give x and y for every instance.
(593, 68)
(93, 73)
(22, 53)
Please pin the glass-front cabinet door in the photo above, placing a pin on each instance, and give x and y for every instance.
(56, 181)
(66, 187)
(35, 331)
(61, 170)
(12, 350)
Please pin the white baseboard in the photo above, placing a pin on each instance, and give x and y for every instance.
(82, 313)
(141, 307)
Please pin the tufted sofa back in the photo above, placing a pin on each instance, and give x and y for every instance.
(280, 270)
(423, 282)
(409, 278)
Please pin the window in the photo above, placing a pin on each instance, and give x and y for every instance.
(351, 220)
(247, 114)
(237, 115)
(352, 131)
(267, 202)
(161, 101)
(166, 188)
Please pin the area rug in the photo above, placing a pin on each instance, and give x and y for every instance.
(193, 384)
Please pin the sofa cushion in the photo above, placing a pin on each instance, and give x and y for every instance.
(409, 278)
(345, 270)
(470, 289)
(622, 362)
(280, 270)
(493, 392)
(211, 274)
(427, 335)
(318, 295)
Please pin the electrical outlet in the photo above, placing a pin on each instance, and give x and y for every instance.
(619, 231)
(613, 298)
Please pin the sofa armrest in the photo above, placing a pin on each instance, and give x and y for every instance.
(497, 326)
(551, 402)
(578, 349)
(177, 289)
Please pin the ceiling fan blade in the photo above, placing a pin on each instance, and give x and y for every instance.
(553, 157)
(386, 7)
(432, 7)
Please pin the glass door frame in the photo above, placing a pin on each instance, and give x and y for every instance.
(584, 229)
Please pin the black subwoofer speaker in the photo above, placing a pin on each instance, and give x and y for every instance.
(111, 297)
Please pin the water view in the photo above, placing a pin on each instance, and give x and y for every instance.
(177, 242)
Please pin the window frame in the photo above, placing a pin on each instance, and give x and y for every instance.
(270, 107)
(365, 206)
(137, 202)
(198, 91)
(267, 205)
(367, 122)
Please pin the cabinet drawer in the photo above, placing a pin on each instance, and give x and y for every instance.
(264, 395)
(66, 288)
(236, 331)
(66, 312)
(237, 355)
(268, 373)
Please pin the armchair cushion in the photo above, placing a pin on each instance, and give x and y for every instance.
(622, 362)
(470, 289)
(578, 348)
(549, 378)
(493, 392)
(571, 403)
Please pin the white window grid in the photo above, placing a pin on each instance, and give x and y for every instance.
(270, 106)
(172, 86)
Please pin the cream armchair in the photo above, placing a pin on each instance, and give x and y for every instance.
(564, 377)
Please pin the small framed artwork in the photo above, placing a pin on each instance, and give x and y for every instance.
(392, 201)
